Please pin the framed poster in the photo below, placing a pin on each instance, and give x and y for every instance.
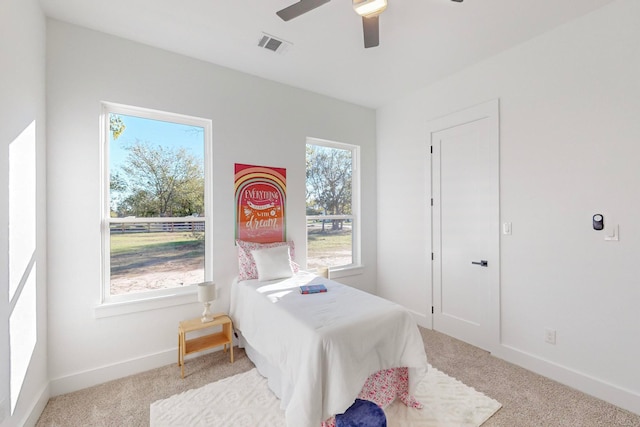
(260, 193)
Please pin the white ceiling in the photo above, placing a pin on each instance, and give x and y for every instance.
(421, 41)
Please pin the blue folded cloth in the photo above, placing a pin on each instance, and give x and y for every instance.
(363, 413)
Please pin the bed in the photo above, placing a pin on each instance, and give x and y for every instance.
(321, 351)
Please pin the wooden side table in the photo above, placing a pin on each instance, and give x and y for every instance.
(222, 337)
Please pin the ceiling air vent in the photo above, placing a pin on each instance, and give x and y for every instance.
(269, 42)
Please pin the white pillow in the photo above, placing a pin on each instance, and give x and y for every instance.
(273, 263)
(247, 265)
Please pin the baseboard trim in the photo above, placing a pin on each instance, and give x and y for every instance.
(92, 377)
(103, 374)
(619, 396)
(32, 416)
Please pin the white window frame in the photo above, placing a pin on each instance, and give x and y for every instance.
(157, 298)
(356, 265)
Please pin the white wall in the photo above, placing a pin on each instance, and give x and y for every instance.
(570, 146)
(22, 108)
(254, 121)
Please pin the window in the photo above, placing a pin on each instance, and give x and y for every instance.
(333, 214)
(157, 202)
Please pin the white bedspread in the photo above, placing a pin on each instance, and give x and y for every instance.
(327, 344)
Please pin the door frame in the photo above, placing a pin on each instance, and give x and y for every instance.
(489, 110)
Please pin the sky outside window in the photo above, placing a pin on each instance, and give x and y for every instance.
(167, 134)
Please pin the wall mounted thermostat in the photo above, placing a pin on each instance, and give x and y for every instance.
(598, 222)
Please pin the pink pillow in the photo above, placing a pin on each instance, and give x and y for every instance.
(247, 265)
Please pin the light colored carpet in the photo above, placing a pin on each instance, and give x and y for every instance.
(528, 400)
(244, 400)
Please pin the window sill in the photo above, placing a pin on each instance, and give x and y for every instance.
(118, 308)
(346, 271)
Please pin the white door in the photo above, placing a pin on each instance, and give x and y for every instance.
(465, 220)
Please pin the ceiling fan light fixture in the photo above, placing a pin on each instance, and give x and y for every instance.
(369, 8)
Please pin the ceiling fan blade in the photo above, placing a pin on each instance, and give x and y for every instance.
(299, 8)
(371, 31)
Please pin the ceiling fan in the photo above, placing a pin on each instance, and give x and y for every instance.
(370, 11)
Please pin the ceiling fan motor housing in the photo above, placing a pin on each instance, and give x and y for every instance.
(368, 8)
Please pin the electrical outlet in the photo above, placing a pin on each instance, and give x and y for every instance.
(506, 228)
(550, 336)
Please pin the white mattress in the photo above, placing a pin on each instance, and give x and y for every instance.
(325, 345)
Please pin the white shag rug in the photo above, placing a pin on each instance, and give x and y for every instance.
(245, 400)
